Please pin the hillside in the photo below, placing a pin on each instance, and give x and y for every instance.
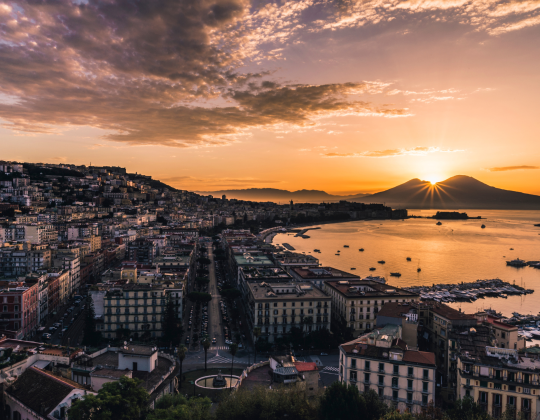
(457, 192)
(277, 195)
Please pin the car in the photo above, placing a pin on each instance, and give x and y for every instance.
(240, 345)
(324, 354)
(189, 328)
(57, 324)
(52, 329)
(228, 342)
(46, 336)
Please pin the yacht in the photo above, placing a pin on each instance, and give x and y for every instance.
(382, 262)
(395, 274)
(439, 223)
(516, 263)
(372, 269)
(418, 269)
(353, 268)
(483, 226)
(361, 250)
(345, 246)
(409, 259)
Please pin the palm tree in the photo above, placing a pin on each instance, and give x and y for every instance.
(182, 351)
(256, 335)
(233, 348)
(206, 344)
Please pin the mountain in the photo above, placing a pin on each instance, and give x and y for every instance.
(277, 195)
(457, 192)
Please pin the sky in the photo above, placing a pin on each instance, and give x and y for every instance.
(345, 96)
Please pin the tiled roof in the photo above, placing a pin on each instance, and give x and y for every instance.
(420, 357)
(305, 366)
(394, 310)
(41, 391)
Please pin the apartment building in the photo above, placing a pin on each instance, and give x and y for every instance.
(142, 251)
(506, 335)
(19, 262)
(318, 275)
(355, 303)
(500, 380)
(137, 307)
(20, 310)
(73, 265)
(289, 260)
(279, 306)
(381, 361)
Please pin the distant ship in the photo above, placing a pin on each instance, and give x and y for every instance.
(381, 262)
(372, 269)
(353, 268)
(395, 274)
(483, 226)
(361, 250)
(338, 255)
(345, 246)
(439, 223)
(418, 269)
(408, 258)
(516, 263)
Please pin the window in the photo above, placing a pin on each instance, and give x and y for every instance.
(381, 392)
(352, 376)
(381, 379)
(395, 395)
(483, 397)
(381, 367)
(409, 397)
(410, 371)
(526, 378)
(353, 363)
(425, 387)
(409, 384)
(366, 378)
(368, 365)
(394, 382)
(426, 374)
(424, 399)
(396, 369)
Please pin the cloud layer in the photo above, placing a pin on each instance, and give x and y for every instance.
(415, 151)
(511, 168)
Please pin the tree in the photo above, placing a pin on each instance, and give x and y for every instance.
(206, 345)
(256, 335)
(233, 348)
(91, 337)
(467, 409)
(124, 399)
(204, 261)
(182, 351)
(178, 407)
(201, 281)
(172, 328)
(259, 404)
(200, 297)
(231, 294)
(375, 406)
(341, 402)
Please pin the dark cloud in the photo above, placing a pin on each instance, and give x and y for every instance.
(136, 68)
(512, 168)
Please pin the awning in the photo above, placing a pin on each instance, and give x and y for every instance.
(41, 364)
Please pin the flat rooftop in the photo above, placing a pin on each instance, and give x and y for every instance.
(367, 288)
(265, 272)
(253, 259)
(286, 291)
(309, 273)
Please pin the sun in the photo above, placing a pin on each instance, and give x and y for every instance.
(433, 179)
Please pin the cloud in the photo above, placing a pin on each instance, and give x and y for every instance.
(60, 158)
(216, 182)
(511, 168)
(415, 151)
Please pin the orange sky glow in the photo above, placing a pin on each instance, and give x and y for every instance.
(342, 96)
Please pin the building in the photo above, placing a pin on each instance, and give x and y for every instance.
(287, 370)
(38, 394)
(381, 361)
(289, 260)
(142, 251)
(499, 379)
(318, 275)
(156, 370)
(356, 303)
(506, 335)
(277, 307)
(403, 314)
(20, 309)
(19, 262)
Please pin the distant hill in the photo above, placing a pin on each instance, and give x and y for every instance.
(277, 195)
(457, 192)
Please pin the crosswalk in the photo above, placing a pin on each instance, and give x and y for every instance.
(219, 348)
(219, 359)
(331, 370)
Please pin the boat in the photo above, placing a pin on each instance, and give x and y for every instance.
(353, 268)
(395, 274)
(483, 226)
(338, 250)
(316, 250)
(439, 223)
(361, 250)
(382, 262)
(511, 249)
(345, 246)
(418, 269)
(516, 263)
(372, 269)
(338, 255)
(408, 258)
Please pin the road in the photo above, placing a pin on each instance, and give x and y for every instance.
(215, 329)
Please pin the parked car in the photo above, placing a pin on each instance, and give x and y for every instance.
(46, 336)
(57, 324)
(52, 329)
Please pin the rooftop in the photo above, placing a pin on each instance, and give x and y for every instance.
(323, 273)
(368, 288)
(285, 291)
(252, 259)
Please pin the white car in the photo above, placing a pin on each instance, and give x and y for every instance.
(228, 342)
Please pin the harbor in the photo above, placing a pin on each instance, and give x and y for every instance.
(469, 292)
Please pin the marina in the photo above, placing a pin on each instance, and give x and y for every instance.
(468, 292)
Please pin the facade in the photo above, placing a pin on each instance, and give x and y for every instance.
(278, 307)
(355, 303)
(381, 361)
(18, 262)
(20, 310)
(500, 380)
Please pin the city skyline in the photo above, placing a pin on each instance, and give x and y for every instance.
(346, 97)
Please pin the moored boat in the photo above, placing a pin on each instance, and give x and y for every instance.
(395, 274)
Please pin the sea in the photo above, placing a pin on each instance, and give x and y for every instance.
(454, 252)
